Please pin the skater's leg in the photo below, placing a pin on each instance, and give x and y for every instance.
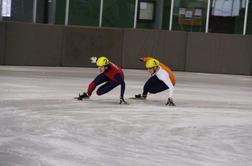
(101, 78)
(154, 85)
(107, 87)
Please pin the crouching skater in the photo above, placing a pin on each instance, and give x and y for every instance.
(162, 78)
(110, 76)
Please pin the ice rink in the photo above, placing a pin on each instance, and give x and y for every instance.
(42, 125)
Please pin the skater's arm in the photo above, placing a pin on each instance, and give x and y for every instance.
(164, 76)
(122, 90)
(170, 85)
(120, 80)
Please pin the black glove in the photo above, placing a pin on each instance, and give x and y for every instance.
(170, 102)
(84, 95)
(141, 59)
(122, 101)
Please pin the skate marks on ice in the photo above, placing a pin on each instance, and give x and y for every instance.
(115, 102)
(41, 123)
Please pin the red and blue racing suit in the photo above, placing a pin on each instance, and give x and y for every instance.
(112, 77)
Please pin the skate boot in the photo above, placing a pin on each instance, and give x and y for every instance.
(141, 97)
(82, 96)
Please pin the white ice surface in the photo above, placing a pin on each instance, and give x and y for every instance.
(42, 125)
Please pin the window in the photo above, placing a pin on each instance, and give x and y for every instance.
(84, 12)
(146, 10)
(189, 15)
(227, 16)
(118, 13)
(249, 21)
(6, 8)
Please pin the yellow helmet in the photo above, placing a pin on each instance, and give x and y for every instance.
(102, 61)
(152, 63)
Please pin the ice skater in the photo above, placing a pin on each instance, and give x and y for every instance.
(162, 78)
(110, 76)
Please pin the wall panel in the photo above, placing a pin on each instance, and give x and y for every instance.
(168, 47)
(219, 53)
(54, 45)
(29, 44)
(81, 43)
(2, 42)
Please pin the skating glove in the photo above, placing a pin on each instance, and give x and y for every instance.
(170, 102)
(93, 59)
(140, 59)
(82, 96)
(122, 101)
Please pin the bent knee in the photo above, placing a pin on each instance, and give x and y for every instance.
(99, 93)
(153, 92)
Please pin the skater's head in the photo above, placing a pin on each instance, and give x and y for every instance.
(152, 65)
(102, 63)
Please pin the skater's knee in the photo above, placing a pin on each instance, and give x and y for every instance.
(153, 92)
(99, 93)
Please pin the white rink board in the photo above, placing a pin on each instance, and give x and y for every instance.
(42, 125)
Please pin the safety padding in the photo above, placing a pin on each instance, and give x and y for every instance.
(2, 42)
(33, 44)
(168, 47)
(81, 43)
(219, 53)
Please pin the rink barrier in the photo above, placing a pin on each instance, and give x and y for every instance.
(219, 53)
(58, 45)
(169, 47)
(2, 42)
(33, 44)
(82, 43)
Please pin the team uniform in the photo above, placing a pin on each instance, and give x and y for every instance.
(111, 76)
(161, 79)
